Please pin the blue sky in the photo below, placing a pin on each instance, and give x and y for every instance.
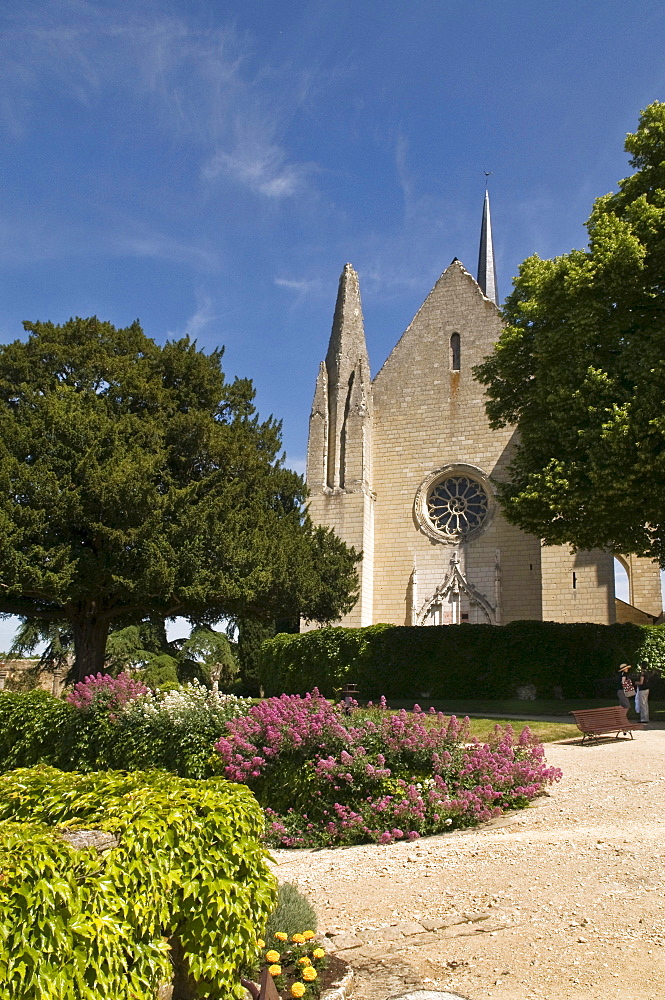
(209, 167)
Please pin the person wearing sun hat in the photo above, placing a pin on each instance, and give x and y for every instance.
(625, 689)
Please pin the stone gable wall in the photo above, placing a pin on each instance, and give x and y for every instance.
(420, 417)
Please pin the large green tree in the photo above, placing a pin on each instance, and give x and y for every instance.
(580, 369)
(136, 481)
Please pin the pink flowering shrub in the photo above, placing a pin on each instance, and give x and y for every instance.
(104, 691)
(327, 778)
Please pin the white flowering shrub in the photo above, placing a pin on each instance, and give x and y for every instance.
(175, 730)
(192, 705)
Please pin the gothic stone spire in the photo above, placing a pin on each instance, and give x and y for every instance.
(346, 357)
(347, 340)
(486, 271)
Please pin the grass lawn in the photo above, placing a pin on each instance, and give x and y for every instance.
(482, 728)
(545, 732)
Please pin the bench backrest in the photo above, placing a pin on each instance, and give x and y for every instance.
(612, 715)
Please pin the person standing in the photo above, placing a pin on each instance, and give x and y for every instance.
(642, 690)
(625, 688)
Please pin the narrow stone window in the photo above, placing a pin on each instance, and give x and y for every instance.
(455, 352)
(574, 581)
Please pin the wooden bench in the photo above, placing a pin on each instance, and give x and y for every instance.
(594, 722)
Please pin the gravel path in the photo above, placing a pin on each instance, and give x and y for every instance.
(563, 900)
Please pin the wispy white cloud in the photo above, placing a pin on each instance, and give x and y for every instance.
(260, 166)
(197, 323)
(203, 315)
(198, 86)
(411, 256)
(303, 286)
(48, 235)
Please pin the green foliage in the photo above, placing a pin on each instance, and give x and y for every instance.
(579, 369)
(136, 482)
(206, 656)
(293, 913)
(325, 658)
(35, 728)
(76, 924)
(211, 651)
(251, 636)
(160, 671)
(173, 730)
(451, 661)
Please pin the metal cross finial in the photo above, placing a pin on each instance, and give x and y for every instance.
(488, 173)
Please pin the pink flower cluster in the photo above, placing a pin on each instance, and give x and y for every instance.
(327, 778)
(105, 691)
(277, 727)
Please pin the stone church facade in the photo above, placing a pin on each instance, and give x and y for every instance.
(404, 466)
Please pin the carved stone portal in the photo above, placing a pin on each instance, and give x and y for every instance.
(455, 601)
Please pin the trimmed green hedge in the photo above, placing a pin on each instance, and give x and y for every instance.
(482, 661)
(182, 896)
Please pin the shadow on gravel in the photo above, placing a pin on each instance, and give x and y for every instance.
(602, 741)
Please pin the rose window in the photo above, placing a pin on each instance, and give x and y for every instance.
(457, 506)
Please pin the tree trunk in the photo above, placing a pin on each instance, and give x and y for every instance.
(90, 634)
(184, 986)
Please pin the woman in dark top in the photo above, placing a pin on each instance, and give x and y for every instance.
(642, 688)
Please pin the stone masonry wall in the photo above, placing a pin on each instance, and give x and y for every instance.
(426, 417)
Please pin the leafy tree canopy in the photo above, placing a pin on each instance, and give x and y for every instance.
(136, 482)
(580, 368)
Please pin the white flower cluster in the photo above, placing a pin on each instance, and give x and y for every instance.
(186, 706)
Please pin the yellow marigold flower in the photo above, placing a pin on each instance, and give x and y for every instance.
(318, 953)
(260, 943)
(309, 974)
(308, 935)
(298, 990)
(304, 960)
(281, 936)
(273, 956)
(298, 938)
(275, 970)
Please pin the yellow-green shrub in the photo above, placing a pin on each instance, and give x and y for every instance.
(188, 877)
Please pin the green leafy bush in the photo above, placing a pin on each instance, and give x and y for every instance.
(293, 913)
(324, 658)
(173, 730)
(449, 661)
(182, 895)
(35, 728)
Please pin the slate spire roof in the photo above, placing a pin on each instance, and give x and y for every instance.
(486, 271)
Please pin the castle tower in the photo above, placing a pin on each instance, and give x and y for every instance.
(339, 452)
